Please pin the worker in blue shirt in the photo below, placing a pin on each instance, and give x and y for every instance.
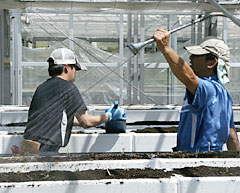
(206, 119)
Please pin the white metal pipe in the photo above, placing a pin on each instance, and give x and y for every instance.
(136, 47)
(2, 57)
(17, 58)
(121, 42)
(71, 31)
(141, 58)
(226, 12)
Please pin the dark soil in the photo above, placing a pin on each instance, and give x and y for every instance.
(148, 129)
(115, 156)
(117, 174)
(157, 130)
(154, 123)
(208, 171)
(162, 130)
(83, 175)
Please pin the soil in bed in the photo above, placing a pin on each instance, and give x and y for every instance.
(147, 129)
(117, 174)
(114, 156)
(157, 130)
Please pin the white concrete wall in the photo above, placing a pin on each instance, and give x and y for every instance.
(125, 142)
(97, 143)
(175, 184)
(153, 163)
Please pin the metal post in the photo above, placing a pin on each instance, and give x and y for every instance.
(225, 29)
(121, 59)
(71, 30)
(129, 40)
(5, 97)
(193, 32)
(141, 59)
(135, 61)
(173, 42)
(1, 58)
(207, 27)
(211, 27)
(199, 32)
(17, 58)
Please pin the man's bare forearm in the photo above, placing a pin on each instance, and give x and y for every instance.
(181, 70)
(85, 120)
(233, 142)
(179, 67)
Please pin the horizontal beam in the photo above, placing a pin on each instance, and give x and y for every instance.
(130, 6)
(135, 113)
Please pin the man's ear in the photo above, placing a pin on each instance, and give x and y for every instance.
(65, 70)
(212, 63)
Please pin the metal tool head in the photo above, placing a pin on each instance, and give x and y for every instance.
(135, 47)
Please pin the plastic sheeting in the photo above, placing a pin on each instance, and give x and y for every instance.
(86, 52)
(93, 91)
(97, 85)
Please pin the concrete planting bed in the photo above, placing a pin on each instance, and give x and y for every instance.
(176, 172)
(140, 160)
(98, 143)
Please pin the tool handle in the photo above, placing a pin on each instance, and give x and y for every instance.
(115, 106)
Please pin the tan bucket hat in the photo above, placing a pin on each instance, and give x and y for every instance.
(214, 46)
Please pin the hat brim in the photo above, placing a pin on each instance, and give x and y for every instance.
(80, 66)
(196, 50)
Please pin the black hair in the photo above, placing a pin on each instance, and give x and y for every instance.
(211, 56)
(72, 66)
(55, 70)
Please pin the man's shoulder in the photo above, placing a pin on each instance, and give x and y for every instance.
(211, 85)
(56, 82)
(211, 81)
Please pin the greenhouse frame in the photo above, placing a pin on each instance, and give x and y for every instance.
(100, 32)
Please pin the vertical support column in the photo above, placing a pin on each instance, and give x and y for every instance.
(5, 96)
(121, 39)
(225, 29)
(211, 27)
(1, 57)
(169, 72)
(129, 64)
(71, 30)
(34, 42)
(199, 32)
(141, 59)
(135, 61)
(173, 43)
(193, 32)
(207, 27)
(17, 58)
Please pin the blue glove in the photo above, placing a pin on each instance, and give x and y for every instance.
(111, 110)
(119, 114)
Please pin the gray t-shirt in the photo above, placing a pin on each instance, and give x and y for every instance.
(51, 113)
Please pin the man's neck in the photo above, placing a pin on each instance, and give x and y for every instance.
(62, 77)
